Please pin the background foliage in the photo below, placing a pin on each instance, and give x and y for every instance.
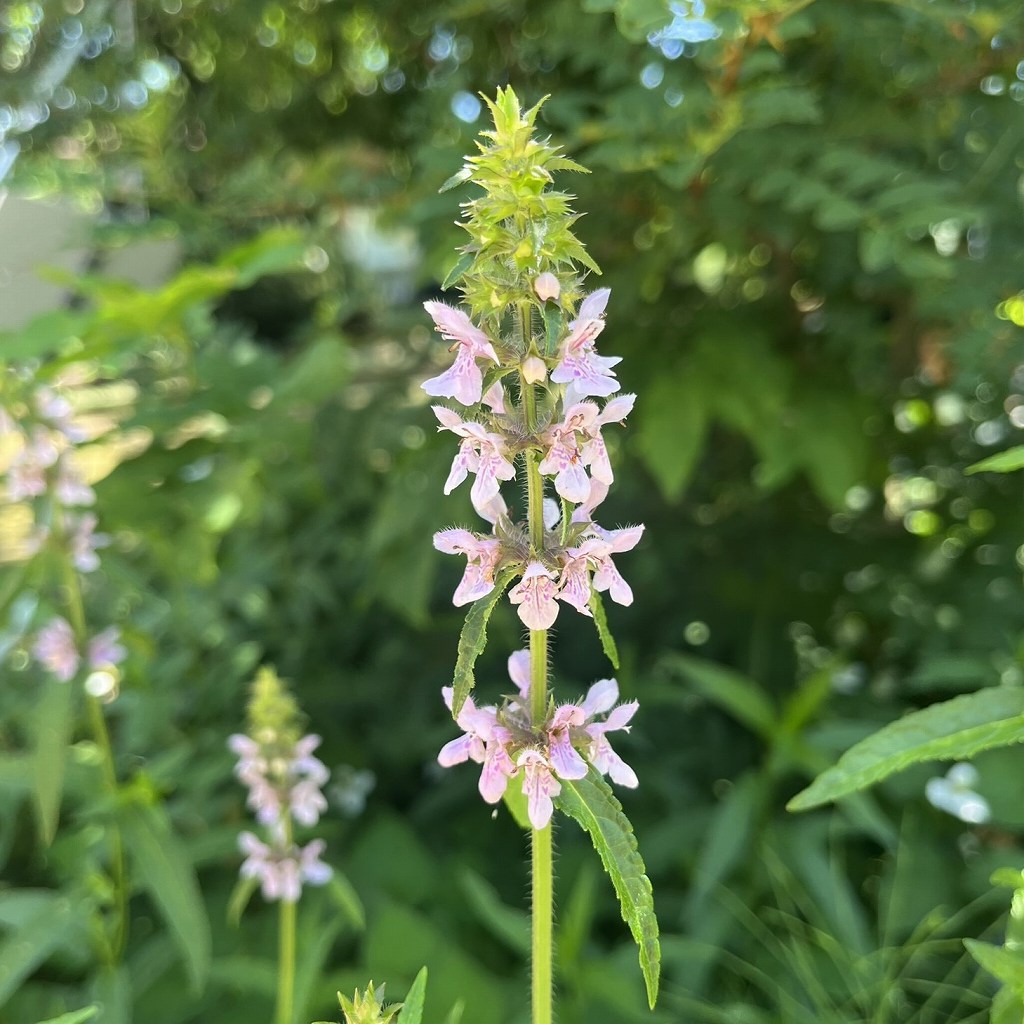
(809, 214)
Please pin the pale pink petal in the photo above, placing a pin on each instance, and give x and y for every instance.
(601, 697)
(519, 671)
(494, 397)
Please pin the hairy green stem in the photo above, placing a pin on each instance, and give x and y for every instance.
(542, 860)
(101, 736)
(286, 963)
(541, 845)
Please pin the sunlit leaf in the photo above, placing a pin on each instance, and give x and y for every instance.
(953, 730)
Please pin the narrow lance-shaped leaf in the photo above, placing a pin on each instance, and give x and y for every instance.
(74, 1017)
(412, 1008)
(161, 864)
(591, 802)
(28, 946)
(608, 644)
(1002, 462)
(953, 730)
(473, 639)
(54, 721)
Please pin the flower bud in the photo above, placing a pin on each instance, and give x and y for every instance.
(534, 370)
(547, 287)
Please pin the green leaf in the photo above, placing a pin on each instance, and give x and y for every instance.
(30, 944)
(953, 730)
(1005, 964)
(473, 639)
(44, 334)
(511, 925)
(462, 264)
(552, 329)
(276, 251)
(1002, 462)
(74, 1017)
(734, 693)
(54, 721)
(412, 1008)
(591, 802)
(163, 867)
(347, 900)
(240, 896)
(457, 179)
(671, 429)
(608, 644)
(515, 801)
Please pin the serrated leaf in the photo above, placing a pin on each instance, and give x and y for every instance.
(457, 179)
(462, 264)
(1002, 462)
(608, 644)
(473, 639)
(162, 866)
(54, 720)
(953, 730)
(412, 1008)
(591, 802)
(25, 948)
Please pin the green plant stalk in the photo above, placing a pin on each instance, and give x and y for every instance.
(286, 961)
(541, 845)
(101, 735)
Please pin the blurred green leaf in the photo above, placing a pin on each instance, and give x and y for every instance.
(54, 722)
(1002, 462)
(28, 945)
(163, 868)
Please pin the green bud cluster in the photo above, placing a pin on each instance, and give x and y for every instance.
(368, 1007)
(521, 227)
(274, 718)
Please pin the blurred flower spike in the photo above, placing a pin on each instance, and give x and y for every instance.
(39, 470)
(285, 783)
(954, 794)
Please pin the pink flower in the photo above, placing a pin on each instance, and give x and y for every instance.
(70, 487)
(306, 802)
(303, 762)
(539, 786)
(463, 381)
(282, 872)
(56, 649)
(83, 541)
(565, 761)
(601, 698)
(581, 368)
(595, 552)
(106, 649)
(481, 452)
(535, 594)
(494, 397)
(576, 442)
(484, 742)
(482, 553)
